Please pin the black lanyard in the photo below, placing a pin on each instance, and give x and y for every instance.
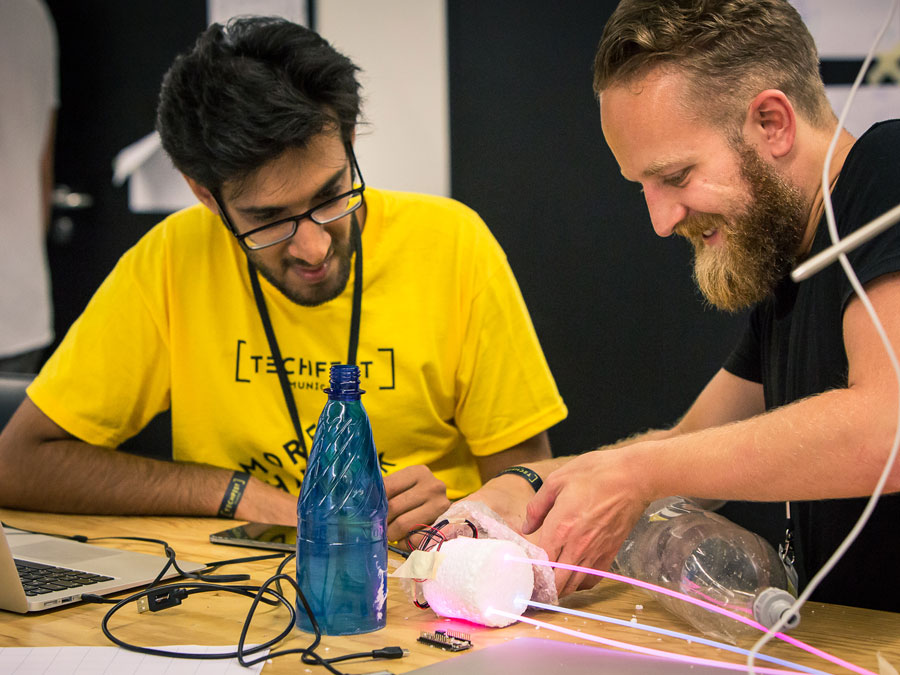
(356, 239)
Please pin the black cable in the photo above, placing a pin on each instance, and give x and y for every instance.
(383, 653)
(155, 598)
(253, 558)
(163, 597)
(399, 551)
(280, 570)
(189, 588)
(200, 575)
(306, 652)
(204, 574)
(169, 551)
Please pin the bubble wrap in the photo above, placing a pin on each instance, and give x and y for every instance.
(474, 577)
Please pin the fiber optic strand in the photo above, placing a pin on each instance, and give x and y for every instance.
(700, 603)
(649, 651)
(672, 633)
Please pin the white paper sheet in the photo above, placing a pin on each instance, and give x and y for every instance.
(114, 661)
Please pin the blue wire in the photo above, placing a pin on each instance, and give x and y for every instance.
(672, 633)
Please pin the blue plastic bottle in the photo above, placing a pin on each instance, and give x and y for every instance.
(342, 518)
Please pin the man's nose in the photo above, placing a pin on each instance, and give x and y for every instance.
(310, 243)
(665, 212)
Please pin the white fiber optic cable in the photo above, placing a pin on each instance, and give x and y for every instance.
(648, 651)
(671, 633)
(857, 286)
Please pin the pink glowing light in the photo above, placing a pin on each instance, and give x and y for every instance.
(700, 603)
(693, 660)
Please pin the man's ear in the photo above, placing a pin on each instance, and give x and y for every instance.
(771, 124)
(203, 194)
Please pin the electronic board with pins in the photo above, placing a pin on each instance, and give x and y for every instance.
(453, 642)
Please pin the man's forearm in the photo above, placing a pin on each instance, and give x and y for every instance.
(641, 436)
(545, 467)
(832, 445)
(532, 450)
(69, 476)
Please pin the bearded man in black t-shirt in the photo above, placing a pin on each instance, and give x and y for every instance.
(718, 111)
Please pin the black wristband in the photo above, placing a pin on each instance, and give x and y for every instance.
(531, 476)
(233, 494)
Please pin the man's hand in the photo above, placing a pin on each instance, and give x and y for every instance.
(415, 496)
(265, 503)
(585, 510)
(507, 496)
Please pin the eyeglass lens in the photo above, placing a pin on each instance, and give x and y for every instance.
(330, 211)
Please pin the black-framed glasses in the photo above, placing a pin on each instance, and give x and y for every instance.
(327, 212)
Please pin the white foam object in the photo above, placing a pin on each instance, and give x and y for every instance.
(475, 576)
(491, 525)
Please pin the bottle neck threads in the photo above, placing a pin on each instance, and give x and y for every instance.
(344, 383)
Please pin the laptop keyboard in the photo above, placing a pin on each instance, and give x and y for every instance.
(38, 578)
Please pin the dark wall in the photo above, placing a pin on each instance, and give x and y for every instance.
(624, 329)
(112, 57)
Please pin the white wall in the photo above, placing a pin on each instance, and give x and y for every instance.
(401, 45)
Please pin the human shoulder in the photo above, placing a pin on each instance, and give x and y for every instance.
(191, 225)
(181, 239)
(869, 181)
(431, 232)
(868, 185)
(397, 204)
(875, 152)
(885, 129)
(431, 220)
(196, 220)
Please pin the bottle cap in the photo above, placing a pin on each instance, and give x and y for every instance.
(771, 604)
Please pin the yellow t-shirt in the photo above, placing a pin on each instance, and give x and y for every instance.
(448, 355)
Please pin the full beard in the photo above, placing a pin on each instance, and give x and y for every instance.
(759, 246)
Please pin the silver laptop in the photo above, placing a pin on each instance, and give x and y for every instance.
(539, 656)
(38, 571)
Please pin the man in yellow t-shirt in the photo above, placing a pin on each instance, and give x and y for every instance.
(231, 312)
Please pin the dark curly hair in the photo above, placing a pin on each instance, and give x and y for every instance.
(248, 91)
(730, 51)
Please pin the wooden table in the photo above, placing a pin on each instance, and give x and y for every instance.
(216, 618)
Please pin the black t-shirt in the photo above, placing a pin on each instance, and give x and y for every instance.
(794, 346)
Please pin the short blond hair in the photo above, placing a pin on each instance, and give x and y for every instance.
(729, 51)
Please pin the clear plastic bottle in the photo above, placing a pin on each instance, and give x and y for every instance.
(683, 547)
(342, 518)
